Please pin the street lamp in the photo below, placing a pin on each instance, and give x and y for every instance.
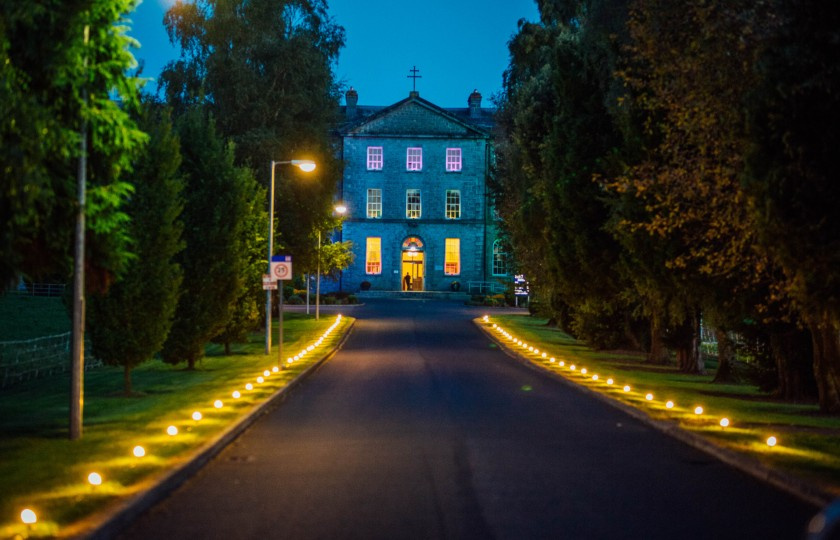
(305, 165)
(340, 209)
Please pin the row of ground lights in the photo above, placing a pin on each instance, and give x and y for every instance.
(594, 377)
(29, 517)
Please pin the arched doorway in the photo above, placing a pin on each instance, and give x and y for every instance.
(413, 264)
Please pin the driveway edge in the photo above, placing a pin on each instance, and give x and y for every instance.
(117, 519)
(787, 482)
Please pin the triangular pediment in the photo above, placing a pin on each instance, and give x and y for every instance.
(415, 116)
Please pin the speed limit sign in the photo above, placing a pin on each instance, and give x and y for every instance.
(281, 267)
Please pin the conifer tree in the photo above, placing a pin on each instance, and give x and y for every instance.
(214, 210)
(130, 322)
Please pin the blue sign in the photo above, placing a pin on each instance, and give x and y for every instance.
(281, 258)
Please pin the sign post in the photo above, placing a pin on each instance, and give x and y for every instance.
(281, 269)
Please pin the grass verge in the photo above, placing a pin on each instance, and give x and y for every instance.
(808, 443)
(47, 473)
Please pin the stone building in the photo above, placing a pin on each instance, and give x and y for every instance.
(415, 186)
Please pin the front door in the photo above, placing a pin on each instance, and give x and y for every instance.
(412, 266)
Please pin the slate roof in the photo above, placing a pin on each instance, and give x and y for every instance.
(485, 121)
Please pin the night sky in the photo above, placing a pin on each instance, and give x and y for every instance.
(458, 46)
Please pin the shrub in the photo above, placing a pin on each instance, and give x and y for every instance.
(365, 285)
(352, 299)
(328, 300)
(295, 300)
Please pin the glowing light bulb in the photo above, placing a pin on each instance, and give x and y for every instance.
(218, 404)
(562, 363)
(724, 422)
(595, 377)
(260, 380)
(583, 371)
(139, 451)
(771, 441)
(196, 416)
(172, 431)
(28, 516)
(289, 361)
(649, 397)
(266, 373)
(626, 388)
(275, 369)
(552, 360)
(572, 367)
(610, 381)
(698, 410)
(95, 479)
(494, 325)
(544, 355)
(249, 386)
(669, 404)
(236, 394)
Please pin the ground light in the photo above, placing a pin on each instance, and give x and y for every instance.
(724, 422)
(771, 441)
(236, 394)
(218, 404)
(94, 479)
(196, 416)
(172, 431)
(698, 410)
(649, 397)
(669, 404)
(28, 516)
(139, 451)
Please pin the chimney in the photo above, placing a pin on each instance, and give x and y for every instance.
(351, 97)
(475, 104)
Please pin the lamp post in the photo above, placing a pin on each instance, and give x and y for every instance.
(306, 166)
(340, 209)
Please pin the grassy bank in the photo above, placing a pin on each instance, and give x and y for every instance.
(29, 317)
(808, 443)
(44, 471)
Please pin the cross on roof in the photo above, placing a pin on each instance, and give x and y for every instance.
(414, 75)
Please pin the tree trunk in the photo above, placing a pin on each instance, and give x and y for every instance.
(227, 348)
(689, 359)
(726, 356)
(826, 337)
(787, 349)
(127, 379)
(658, 352)
(191, 364)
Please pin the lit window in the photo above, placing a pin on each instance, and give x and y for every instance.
(374, 158)
(414, 159)
(453, 204)
(373, 260)
(374, 203)
(452, 257)
(413, 208)
(499, 259)
(453, 159)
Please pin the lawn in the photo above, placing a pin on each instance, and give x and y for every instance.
(29, 317)
(808, 443)
(44, 471)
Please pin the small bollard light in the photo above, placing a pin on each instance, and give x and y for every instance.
(649, 397)
(236, 394)
(669, 404)
(771, 441)
(275, 369)
(94, 479)
(218, 404)
(172, 431)
(583, 371)
(260, 380)
(724, 422)
(610, 381)
(139, 451)
(196, 416)
(626, 388)
(698, 410)
(266, 373)
(249, 386)
(28, 516)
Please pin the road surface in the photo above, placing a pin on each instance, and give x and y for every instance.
(420, 427)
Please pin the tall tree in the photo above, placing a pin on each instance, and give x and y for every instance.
(130, 322)
(246, 310)
(795, 126)
(215, 210)
(263, 68)
(60, 62)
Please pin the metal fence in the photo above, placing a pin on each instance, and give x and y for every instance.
(33, 358)
(485, 287)
(38, 289)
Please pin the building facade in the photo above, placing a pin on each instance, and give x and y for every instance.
(415, 188)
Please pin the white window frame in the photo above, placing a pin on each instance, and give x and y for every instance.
(453, 160)
(413, 209)
(414, 158)
(452, 207)
(499, 258)
(374, 203)
(374, 158)
(373, 268)
(447, 265)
